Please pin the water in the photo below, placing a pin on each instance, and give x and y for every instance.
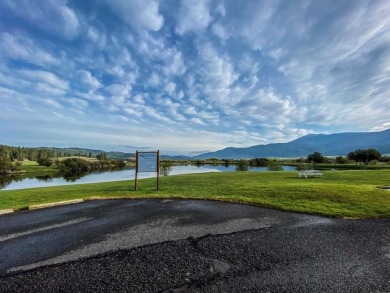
(128, 173)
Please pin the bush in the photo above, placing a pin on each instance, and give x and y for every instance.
(242, 165)
(316, 158)
(6, 166)
(258, 162)
(44, 162)
(304, 166)
(198, 163)
(118, 163)
(165, 168)
(341, 160)
(272, 166)
(73, 165)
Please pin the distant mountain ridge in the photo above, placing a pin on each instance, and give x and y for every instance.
(327, 144)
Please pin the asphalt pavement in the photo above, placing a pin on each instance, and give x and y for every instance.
(189, 246)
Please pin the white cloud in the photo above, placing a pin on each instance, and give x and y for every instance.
(21, 47)
(154, 79)
(170, 88)
(123, 118)
(194, 16)
(221, 9)
(118, 89)
(180, 95)
(190, 110)
(153, 113)
(139, 99)
(277, 53)
(97, 37)
(51, 102)
(220, 31)
(197, 121)
(77, 103)
(48, 90)
(382, 127)
(138, 14)
(91, 96)
(59, 115)
(52, 16)
(174, 64)
(46, 77)
(218, 75)
(89, 80)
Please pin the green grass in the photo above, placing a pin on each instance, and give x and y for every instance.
(32, 167)
(352, 194)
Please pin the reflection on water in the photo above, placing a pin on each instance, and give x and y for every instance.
(128, 173)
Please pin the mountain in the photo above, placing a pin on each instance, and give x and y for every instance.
(327, 144)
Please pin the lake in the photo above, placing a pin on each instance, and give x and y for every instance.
(128, 173)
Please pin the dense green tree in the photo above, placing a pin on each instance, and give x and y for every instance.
(226, 162)
(258, 162)
(242, 165)
(6, 164)
(366, 157)
(316, 158)
(341, 160)
(45, 162)
(385, 159)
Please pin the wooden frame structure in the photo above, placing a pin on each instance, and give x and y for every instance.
(147, 162)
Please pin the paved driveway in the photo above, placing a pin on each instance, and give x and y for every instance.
(189, 246)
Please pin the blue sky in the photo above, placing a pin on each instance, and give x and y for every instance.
(190, 76)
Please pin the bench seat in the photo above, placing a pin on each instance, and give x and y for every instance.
(310, 173)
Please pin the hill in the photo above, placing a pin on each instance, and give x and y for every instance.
(327, 144)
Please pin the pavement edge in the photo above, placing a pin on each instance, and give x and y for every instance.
(44, 205)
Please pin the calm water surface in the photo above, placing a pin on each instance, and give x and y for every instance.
(109, 176)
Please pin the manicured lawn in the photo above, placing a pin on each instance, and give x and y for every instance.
(338, 193)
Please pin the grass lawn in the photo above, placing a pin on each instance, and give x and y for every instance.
(338, 193)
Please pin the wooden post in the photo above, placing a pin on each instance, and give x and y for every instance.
(136, 170)
(158, 169)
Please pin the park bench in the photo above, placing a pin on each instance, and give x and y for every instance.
(310, 173)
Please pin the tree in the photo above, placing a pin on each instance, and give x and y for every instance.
(316, 158)
(226, 162)
(273, 166)
(102, 156)
(372, 154)
(258, 162)
(165, 168)
(6, 165)
(242, 165)
(364, 156)
(341, 160)
(44, 162)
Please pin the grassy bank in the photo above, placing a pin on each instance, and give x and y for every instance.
(339, 193)
(32, 167)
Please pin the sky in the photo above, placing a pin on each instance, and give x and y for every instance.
(191, 76)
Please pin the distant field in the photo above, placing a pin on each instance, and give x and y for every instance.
(338, 193)
(33, 167)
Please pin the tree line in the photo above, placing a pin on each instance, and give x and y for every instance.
(11, 159)
(33, 154)
(359, 156)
